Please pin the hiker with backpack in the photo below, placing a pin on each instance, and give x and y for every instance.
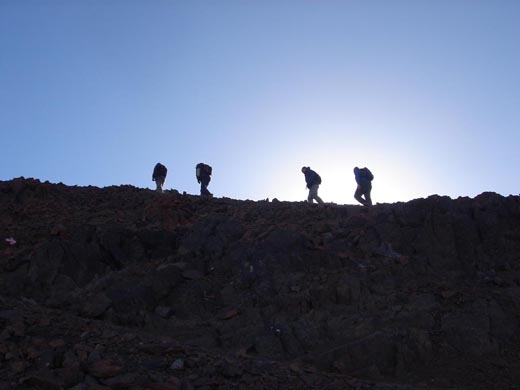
(313, 181)
(203, 173)
(159, 176)
(364, 185)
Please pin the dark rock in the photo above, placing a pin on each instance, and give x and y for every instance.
(192, 274)
(9, 315)
(230, 370)
(94, 356)
(124, 381)
(44, 380)
(178, 364)
(268, 345)
(70, 376)
(48, 359)
(18, 367)
(96, 306)
(400, 293)
(104, 369)
(228, 314)
(163, 386)
(163, 311)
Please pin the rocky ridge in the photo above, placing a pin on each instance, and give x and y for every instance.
(122, 287)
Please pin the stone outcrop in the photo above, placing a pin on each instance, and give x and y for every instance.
(122, 287)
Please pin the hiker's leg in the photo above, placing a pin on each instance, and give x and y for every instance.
(357, 195)
(367, 197)
(206, 184)
(309, 198)
(204, 181)
(318, 199)
(159, 183)
(313, 193)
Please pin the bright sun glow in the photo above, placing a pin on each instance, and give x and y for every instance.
(333, 157)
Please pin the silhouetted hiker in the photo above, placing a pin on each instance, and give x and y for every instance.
(203, 173)
(364, 185)
(313, 181)
(159, 176)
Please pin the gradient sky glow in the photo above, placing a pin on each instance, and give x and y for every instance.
(424, 93)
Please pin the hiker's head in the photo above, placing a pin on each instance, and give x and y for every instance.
(304, 169)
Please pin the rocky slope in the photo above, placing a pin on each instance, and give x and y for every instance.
(125, 288)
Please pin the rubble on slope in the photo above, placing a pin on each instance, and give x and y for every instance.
(122, 287)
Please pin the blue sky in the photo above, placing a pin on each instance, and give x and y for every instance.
(424, 93)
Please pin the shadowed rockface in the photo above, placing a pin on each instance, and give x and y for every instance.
(122, 287)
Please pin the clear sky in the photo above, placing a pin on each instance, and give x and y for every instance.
(424, 93)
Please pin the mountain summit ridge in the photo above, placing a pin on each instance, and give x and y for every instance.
(241, 294)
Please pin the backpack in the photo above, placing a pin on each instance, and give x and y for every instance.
(159, 170)
(365, 172)
(203, 169)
